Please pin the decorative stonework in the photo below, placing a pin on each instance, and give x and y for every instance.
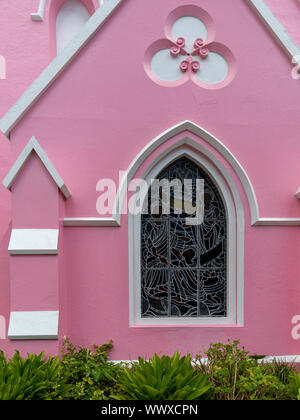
(200, 49)
(189, 52)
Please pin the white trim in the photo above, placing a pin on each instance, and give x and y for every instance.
(274, 26)
(235, 218)
(206, 136)
(277, 222)
(285, 359)
(31, 146)
(53, 70)
(115, 220)
(39, 15)
(269, 359)
(34, 325)
(90, 221)
(102, 222)
(33, 242)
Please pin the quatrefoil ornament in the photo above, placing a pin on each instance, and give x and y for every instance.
(189, 52)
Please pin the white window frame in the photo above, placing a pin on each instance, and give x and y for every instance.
(235, 243)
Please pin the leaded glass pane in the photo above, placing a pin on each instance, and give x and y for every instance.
(184, 267)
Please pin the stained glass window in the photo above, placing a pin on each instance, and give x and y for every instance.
(183, 267)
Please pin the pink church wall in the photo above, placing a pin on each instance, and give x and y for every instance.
(35, 197)
(24, 44)
(287, 12)
(91, 127)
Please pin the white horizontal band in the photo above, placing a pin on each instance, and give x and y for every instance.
(90, 221)
(33, 242)
(36, 325)
(269, 359)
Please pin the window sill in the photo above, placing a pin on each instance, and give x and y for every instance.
(144, 326)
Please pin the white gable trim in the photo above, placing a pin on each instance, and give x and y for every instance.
(39, 15)
(53, 70)
(206, 136)
(274, 26)
(33, 242)
(31, 146)
(47, 77)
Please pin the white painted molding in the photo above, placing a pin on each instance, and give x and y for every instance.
(39, 15)
(235, 237)
(71, 18)
(91, 221)
(33, 242)
(269, 359)
(208, 138)
(57, 66)
(36, 325)
(31, 146)
(277, 222)
(274, 26)
(115, 220)
(52, 71)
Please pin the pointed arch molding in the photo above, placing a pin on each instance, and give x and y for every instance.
(199, 154)
(210, 139)
(39, 15)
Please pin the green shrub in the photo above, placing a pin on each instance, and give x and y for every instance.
(26, 379)
(282, 370)
(229, 373)
(87, 373)
(235, 375)
(165, 378)
(295, 385)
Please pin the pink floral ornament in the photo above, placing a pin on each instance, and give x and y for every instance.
(174, 51)
(203, 52)
(195, 66)
(178, 48)
(199, 43)
(200, 49)
(180, 42)
(184, 65)
(172, 62)
(189, 63)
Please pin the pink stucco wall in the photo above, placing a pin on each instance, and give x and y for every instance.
(288, 14)
(99, 115)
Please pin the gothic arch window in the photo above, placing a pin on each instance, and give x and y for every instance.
(70, 19)
(183, 274)
(183, 267)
